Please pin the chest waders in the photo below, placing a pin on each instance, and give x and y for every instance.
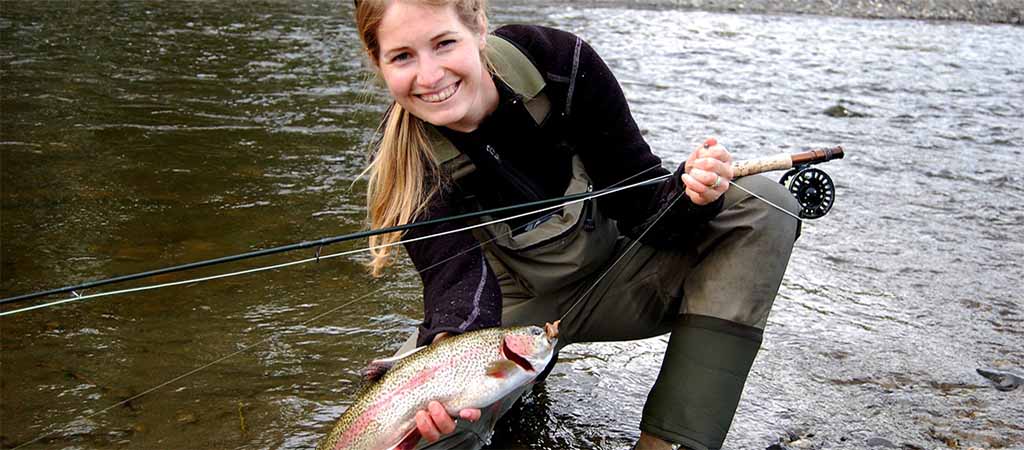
(557, 250)
(713, 296)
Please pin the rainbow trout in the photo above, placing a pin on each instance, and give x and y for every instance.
(471, 370)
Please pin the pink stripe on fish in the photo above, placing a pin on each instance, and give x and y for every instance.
(364, 419)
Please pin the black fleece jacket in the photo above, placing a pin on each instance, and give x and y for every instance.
(517, 161)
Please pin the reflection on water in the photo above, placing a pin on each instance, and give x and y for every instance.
(140, 135)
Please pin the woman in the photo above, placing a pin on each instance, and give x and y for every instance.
(529, 113)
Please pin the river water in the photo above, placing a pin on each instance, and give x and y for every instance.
(137, 135)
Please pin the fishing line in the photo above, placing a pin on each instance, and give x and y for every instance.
(660, 215)
(623, 255)
(200, 368)
(344, 305)
(244, 349)
(79, 297)
(788, 212)
(303, 245)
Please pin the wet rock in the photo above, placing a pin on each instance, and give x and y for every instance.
(841, 111)
(186, 417)
(793, 441)
(1003, 381)
(880, 442)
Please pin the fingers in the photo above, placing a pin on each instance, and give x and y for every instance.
(702, 181)
(445, 423)
(435, 422)
(707, 172)
(701, 193)
(712, 157)
(439, 336)
(471, 415)
(426, 426)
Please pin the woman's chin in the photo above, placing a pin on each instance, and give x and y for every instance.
(449, 118)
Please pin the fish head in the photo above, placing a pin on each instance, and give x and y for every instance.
(530, 348)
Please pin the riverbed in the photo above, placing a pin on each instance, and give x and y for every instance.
(139, 135)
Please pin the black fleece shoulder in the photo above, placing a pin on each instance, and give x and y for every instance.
(549, 49)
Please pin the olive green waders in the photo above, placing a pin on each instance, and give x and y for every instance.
(713, 297)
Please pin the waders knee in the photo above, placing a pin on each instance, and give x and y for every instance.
(698, 389)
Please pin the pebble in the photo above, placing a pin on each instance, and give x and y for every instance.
(186, 417)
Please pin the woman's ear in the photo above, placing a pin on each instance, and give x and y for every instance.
(374, 64)
(482, 23)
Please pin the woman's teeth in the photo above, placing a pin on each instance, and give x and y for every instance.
(441, 95)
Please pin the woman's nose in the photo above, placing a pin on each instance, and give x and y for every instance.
(430, 72)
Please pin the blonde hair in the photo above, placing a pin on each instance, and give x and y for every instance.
(404, 174)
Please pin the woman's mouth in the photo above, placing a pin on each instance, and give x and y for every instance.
(442, 95)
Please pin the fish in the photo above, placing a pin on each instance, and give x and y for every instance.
(470, 370)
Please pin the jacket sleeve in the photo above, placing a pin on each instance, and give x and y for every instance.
(460, 291)
(608, 140)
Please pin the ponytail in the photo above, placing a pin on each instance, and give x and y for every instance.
(403, 177)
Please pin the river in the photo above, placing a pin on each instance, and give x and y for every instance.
(138, 135)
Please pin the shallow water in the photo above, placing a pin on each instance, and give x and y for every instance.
(140, 135)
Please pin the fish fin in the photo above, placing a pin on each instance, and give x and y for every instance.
(501, 368)
(409, 441)
(378, 367)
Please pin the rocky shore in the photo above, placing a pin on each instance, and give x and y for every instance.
(981, 11)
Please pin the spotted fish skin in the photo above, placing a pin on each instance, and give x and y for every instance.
(471, 370)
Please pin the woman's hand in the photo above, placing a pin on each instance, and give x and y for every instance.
(434, 421)
(707, 172)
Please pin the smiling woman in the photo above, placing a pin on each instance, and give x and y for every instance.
(432, 66)
(423, 65)
(532, 113)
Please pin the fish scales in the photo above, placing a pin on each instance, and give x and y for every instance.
(460, 372)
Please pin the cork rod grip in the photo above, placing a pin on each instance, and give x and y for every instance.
(784, 161)
(765, 164)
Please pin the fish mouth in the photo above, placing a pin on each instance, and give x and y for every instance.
(515, 357)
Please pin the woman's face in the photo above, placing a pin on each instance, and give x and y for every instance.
(431, 63)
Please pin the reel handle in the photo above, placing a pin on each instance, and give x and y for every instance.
(785, 161)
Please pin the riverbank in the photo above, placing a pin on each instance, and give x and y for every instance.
(980, 11)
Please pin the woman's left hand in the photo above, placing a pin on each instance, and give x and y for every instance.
(707, 173)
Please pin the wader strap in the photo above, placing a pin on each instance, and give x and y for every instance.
(572, 78)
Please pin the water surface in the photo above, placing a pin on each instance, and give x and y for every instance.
(137, 135)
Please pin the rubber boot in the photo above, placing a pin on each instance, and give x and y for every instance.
(698, 389)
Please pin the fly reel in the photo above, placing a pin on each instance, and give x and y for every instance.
(813, 189)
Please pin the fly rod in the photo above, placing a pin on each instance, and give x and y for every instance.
(315, 243)
(740, 168)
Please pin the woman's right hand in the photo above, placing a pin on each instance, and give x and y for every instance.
(435, 422)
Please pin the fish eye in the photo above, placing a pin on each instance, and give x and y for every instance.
(536, 331)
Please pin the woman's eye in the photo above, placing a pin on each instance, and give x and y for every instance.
(446, 43)
(400, 57)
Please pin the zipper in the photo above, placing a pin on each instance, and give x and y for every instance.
(588, 211)
(493, 152)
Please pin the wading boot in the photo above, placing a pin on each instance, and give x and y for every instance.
(698, 389)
